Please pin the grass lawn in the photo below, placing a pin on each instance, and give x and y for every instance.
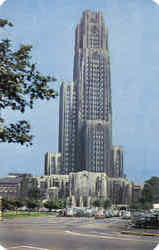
(22, 214)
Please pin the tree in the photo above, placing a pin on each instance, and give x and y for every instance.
(16, 203)
(149, 195)
(55, 204)
(154, 183)
(61, 203)
(141, 205)
(102, 203)
(50, 204)
(12, 203)
(150, 191)
(31, 204)
(96, 203)
(21, 85)
(6, 204)
(107, 204)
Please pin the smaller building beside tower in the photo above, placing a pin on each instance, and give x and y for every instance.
(52, 163)
(117, 169)
(16, 185)
(65, 115)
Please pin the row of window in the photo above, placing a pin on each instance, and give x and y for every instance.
(93, 117)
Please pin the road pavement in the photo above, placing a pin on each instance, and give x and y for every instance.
(66, 233)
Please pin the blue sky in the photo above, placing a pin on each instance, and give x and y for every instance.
(133, 42)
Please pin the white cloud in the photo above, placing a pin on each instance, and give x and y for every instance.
(2, 2)
(156, 1)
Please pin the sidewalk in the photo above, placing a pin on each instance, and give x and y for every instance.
(141, 233)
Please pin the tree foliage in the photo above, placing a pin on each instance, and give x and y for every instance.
(4, 22)
(31, 204)
(55, 204)
(150, 194)
(6, 204)
(102, 203)
(11, 204)
(150, 191)
(107, 204)
(141, 205)
(96, 203)
(21, 85)
(50, 204)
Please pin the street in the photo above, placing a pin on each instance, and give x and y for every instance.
(66, 233)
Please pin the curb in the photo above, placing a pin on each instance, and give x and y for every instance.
(140, 233)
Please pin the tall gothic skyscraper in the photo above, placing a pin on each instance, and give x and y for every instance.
(65, 128)
(90, 107)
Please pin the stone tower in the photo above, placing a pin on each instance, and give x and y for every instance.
(92, 108)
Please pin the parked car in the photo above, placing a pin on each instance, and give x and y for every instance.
(2, 248)
(69, 212)
(79, 213)
(100, 215)
(127, 215)
(24, 208)
(146, 220)
(107, 214)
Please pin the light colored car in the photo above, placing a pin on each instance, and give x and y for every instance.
(99, 216)
(157, 247)
(127, 215)
(69, 212)
(2, 248)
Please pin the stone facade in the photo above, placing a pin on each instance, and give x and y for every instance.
(82, 188)
(16, 185)
(93, 94)
(86, 103)
(92, 168)
(120, 191)
(87, 186)
(117, 168)
(65, 125)
(53, 163)
(96, 155)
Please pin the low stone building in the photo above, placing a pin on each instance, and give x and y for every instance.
(79, 189)
(10, 187)
(82, 188)
(15, 186)
(120, 191)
